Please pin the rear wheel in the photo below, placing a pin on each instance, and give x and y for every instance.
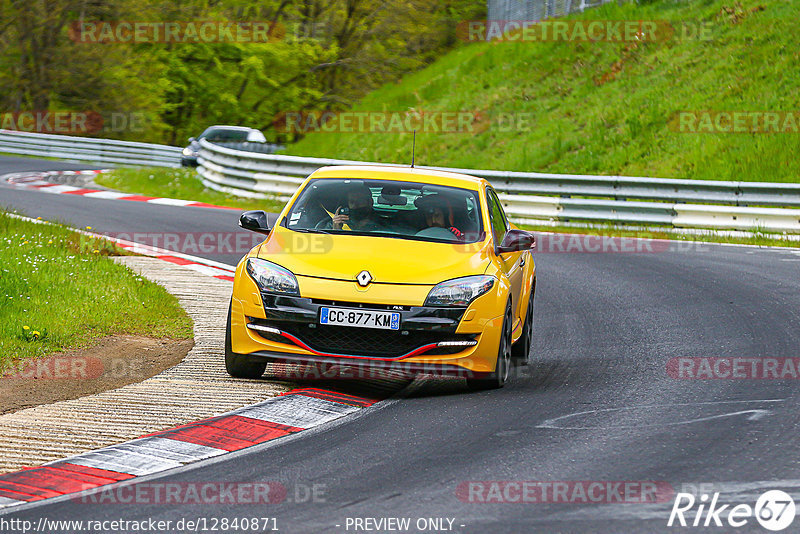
(239, 365)
(522, 348)
(497, 378)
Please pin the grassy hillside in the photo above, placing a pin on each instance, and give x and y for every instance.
(603, 107)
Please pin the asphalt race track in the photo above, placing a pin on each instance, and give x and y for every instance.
(599, 404)
(125, 218)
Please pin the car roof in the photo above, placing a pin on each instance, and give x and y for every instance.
(402, 174)
(227, 127)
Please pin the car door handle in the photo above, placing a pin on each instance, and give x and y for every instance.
(522, 262)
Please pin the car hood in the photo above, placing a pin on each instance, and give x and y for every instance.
(388, 260)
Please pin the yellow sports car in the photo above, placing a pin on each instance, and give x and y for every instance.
(390, 267)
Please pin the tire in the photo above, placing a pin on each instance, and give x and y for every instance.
(497, 379)
(520, 352)
(239, 365)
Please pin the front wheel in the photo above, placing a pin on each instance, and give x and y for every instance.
(498, 378)
(239, 365)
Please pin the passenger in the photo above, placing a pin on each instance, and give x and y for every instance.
(438, 213)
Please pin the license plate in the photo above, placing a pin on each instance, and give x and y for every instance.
(360, 318)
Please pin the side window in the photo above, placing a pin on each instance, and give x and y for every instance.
(498, 218)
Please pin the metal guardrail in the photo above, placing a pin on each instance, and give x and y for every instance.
(552, 197)
(526, 196)
(89, 149)
(532, 10)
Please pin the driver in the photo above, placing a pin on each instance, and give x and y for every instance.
(362, 216)
(438, 213)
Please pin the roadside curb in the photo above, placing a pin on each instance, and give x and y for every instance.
(38, 181)
(51, 435)
(195, 389)
(289, 413)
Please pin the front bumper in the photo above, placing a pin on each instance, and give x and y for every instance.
(429, 340)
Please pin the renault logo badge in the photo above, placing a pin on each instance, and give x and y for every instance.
(364, 278)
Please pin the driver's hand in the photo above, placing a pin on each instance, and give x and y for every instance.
(339, 220)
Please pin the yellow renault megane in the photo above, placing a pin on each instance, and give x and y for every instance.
(391, 267)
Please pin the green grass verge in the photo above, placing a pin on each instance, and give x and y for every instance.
(181, 183)
(605, 107)
(57, 291)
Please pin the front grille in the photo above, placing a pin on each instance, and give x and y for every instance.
(368, 342)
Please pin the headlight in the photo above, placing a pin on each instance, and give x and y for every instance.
(460, 291)
(188, 152)
(272, 278)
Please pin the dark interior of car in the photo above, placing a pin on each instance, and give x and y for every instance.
(400, 208)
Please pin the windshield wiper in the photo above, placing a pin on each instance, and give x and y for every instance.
(309, 230)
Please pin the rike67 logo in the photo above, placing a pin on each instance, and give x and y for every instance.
(774, 510)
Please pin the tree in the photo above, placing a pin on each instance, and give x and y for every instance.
(333, 52)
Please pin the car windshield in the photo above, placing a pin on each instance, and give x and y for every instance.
(387, 208)
(225, 134)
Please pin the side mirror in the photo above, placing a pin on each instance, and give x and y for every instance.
(255, 221)
(517, 240)
(191, 139)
